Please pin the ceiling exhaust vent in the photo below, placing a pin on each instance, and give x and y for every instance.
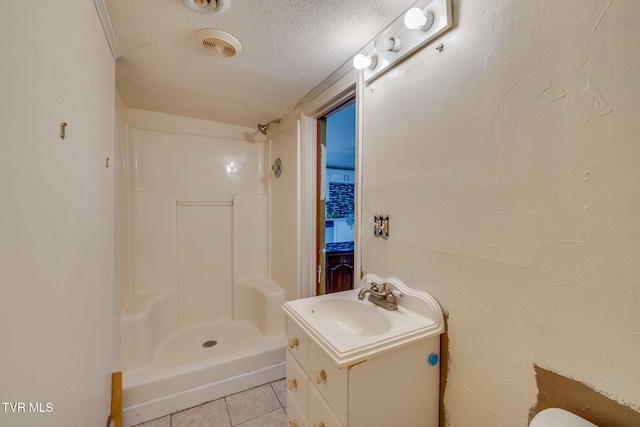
(219, 43)
(208, 6)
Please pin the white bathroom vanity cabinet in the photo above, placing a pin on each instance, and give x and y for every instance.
(365, 377)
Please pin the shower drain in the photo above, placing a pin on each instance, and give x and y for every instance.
(209, 343)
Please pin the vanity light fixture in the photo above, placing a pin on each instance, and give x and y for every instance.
(361, 62)
(400, 40)
(416, 18)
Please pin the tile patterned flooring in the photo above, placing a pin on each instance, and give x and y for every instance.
(263, 406)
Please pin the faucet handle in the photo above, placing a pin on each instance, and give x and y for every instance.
(395, 292)
(392, 294)
(374, 286)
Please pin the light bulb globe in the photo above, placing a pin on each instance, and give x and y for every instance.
(360, 62)
(386, 44)
(417, 18)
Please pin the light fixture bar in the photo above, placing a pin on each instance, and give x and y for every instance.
(428, 20)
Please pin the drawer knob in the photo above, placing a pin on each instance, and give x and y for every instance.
(293, 424)
(318, 425)
(291, 384)
(293, 342)
(319, 376)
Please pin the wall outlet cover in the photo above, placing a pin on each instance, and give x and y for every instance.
(381, 226)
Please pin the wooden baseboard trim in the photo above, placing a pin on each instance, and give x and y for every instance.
(116, 399)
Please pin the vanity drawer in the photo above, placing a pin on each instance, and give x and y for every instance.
(297, 342)
(297, 382)
(332, 382)
(320, 414)
(295, 416)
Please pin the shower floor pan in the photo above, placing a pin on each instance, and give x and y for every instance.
(183, 373)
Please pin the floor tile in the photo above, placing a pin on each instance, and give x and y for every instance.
(251, 404)
(159, 422)
(280, 388)
(275, 418)
(208, 414)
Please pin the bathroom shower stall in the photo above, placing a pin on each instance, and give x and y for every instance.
(201, 317)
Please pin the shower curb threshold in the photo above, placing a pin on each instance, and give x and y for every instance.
(165, 405)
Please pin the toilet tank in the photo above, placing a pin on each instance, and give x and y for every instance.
(554, 417)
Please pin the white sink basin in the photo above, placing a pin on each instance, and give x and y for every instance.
(352, 330)
(349, 317)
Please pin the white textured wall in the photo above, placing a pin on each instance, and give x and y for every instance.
(509, 164)
(56, 214)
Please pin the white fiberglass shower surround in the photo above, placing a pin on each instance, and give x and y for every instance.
(202, 318)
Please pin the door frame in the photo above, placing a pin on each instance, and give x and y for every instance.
(322, 184)
(326, 97)
(322, 188)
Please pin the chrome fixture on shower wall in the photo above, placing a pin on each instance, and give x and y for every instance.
(277, 167)
(263, 128)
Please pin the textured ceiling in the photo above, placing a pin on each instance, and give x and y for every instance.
(288, 48)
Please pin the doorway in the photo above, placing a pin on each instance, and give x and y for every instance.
(335, 233)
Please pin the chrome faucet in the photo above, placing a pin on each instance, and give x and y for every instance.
(387, 298)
